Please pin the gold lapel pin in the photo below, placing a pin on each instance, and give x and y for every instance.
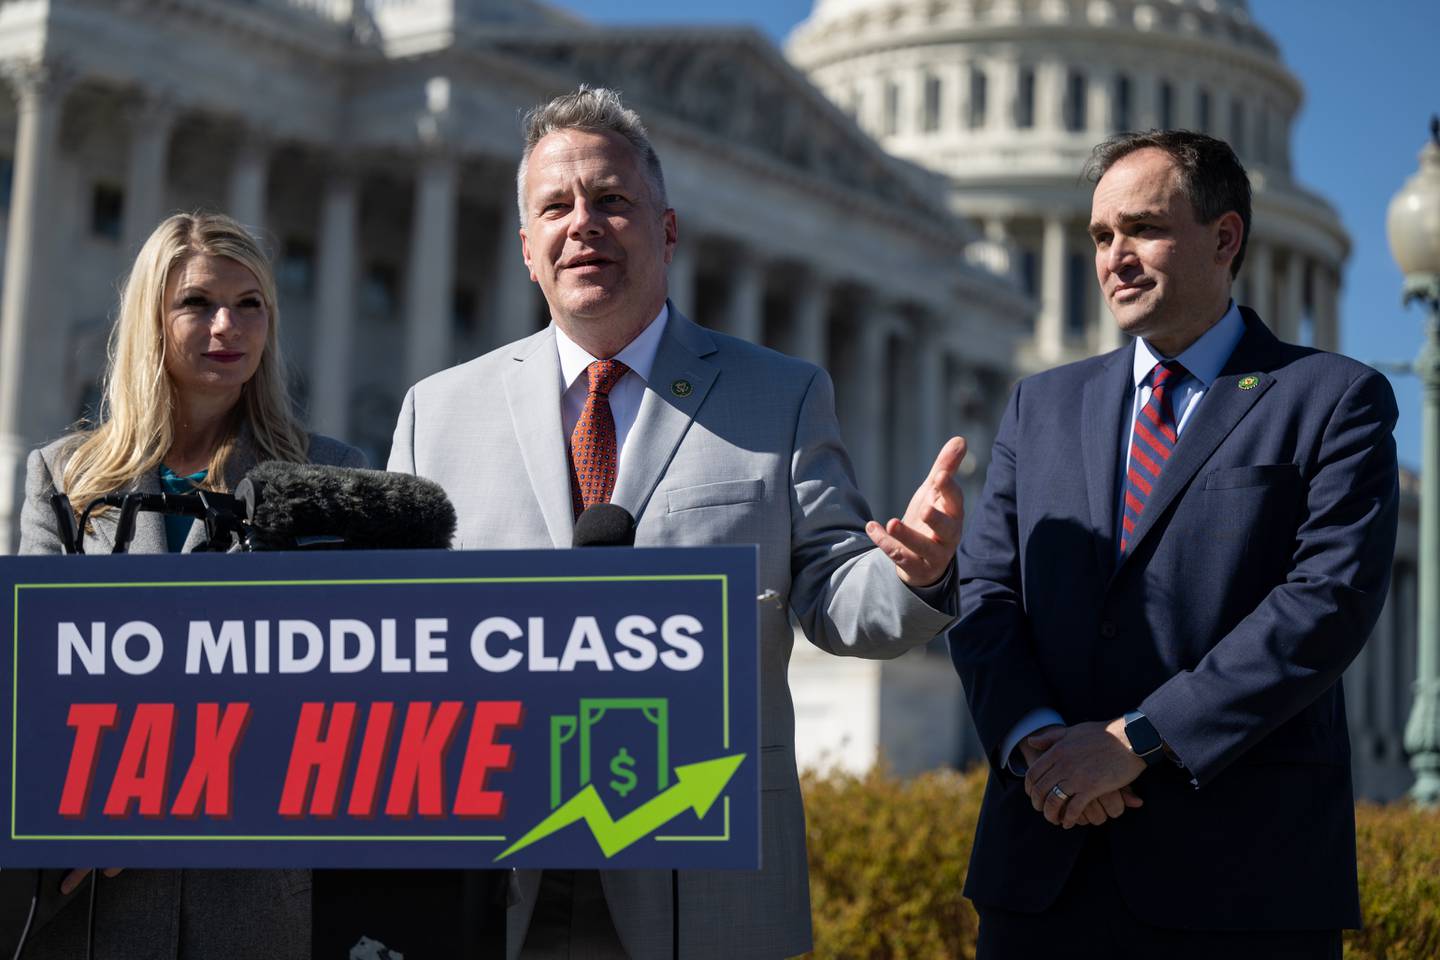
(681, 388)
(1248, 383)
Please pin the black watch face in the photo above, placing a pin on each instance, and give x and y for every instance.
(1143, 738)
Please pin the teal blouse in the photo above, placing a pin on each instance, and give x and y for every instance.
(177, 529)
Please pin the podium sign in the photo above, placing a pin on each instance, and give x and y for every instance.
(565, 708)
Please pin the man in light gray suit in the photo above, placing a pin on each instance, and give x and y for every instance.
(705, 439)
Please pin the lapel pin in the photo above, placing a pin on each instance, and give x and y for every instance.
(1248, 383)
(681, 388)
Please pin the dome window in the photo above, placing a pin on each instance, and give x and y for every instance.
(1025, 99)
(930, 119)
(1120, 109)
(976, 111)
(1075, 116)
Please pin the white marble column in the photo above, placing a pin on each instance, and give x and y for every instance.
(868, 385)
(911, 109)
(1144, 101)
(1292, 300)
(930, 404)
(744, 314)
(1050, 325)
(1050, 77)
(1259, 267)
(249, 175)
(338, 278)
(872, 118)
(514, 297)
(151, 121)
(1185, 93)
(1099, 89)
(680, 277)
(1107, 332)
(28, 390)
(1002, 75)
(810, 318)
(954, 81)
(1327, 308)
(430, 279)
(903, 431)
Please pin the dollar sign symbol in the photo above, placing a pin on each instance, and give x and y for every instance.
(622, 765)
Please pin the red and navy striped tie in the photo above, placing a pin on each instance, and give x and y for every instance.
(1150, 446)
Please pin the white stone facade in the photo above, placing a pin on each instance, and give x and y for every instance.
(375, 146)
(1007, 97)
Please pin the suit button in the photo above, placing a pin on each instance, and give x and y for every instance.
(1107, 630)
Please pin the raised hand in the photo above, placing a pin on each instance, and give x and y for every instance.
(922, 543)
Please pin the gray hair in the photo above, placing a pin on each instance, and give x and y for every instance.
(594, 109)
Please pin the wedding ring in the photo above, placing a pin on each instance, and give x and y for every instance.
(1059, 794)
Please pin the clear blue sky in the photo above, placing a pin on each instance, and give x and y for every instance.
(1371, 72)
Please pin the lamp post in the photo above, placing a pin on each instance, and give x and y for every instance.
(1413, 223)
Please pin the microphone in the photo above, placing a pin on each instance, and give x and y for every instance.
(605, 525)
(221, 512)
(302, 505)
(610, 525)
(172, 504)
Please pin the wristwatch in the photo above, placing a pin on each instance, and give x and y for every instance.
(1144, 739)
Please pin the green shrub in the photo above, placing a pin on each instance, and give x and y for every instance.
(888, 858)
(1399, 848)
(887, 864)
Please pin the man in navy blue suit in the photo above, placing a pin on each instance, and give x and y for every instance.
(1180, 547)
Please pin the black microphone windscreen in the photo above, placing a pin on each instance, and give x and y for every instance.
(368, 509)
(605, 525)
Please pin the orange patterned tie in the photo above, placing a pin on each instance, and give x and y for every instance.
(593, 456)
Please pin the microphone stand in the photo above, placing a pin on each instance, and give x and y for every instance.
(225, 523)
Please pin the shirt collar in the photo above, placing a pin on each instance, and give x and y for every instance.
(1203, 359)
(638, 355)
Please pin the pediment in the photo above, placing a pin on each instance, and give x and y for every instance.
(734, 87)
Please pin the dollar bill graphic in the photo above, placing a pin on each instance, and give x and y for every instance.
(622, 762)
(622, 769)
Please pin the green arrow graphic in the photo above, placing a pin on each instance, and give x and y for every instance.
(698, 786)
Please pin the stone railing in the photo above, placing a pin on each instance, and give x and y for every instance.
(335, 10)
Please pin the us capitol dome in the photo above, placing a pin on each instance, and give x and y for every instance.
(1006, 98)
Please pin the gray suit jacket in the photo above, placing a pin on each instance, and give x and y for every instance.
(751, 454)
(159, 914)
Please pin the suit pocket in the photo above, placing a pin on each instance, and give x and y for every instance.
(777, 767)
(719, 494)
(1260, 475)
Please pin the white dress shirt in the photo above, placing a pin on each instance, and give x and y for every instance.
(625, 396)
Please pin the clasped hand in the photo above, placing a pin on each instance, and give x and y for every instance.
(1091, 763)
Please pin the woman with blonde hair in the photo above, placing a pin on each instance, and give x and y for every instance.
(195, 395)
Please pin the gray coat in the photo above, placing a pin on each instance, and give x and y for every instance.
(733, 444)
(157, 914)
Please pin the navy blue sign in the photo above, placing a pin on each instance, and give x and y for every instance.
(571, 708)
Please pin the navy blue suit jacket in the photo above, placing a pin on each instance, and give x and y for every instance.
(1256, 573)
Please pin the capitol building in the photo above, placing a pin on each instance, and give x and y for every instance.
(1005, 98)
(896, 196)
